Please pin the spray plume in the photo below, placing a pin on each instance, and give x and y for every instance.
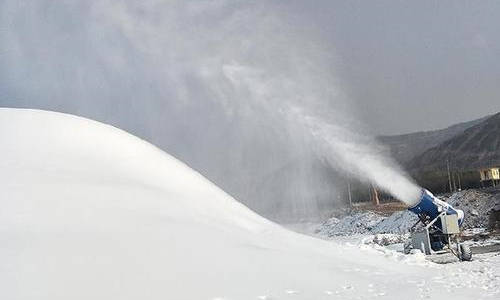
(243, 92)
(341, 141)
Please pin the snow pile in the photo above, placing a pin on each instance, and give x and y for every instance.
(386, 239)
(91, 212)
(367, 223)
(357, 223)
(398, 222)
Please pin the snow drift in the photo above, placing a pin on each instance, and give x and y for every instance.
(91, 212)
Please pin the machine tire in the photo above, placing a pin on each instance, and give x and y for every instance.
(465, 253)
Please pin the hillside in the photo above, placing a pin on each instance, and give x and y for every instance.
(403, 148)
(476, 147)
(91, 212)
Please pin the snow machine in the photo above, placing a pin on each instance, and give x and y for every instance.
(441, 228)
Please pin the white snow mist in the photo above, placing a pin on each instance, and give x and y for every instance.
(243, 92)
(330, 133)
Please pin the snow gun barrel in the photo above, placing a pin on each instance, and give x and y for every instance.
(430, 206)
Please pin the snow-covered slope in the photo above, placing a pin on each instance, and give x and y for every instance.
(88, 211)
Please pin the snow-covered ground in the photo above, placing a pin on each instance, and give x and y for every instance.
(91, 212)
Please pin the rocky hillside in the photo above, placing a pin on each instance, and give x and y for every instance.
(407, 146)
(477, 146)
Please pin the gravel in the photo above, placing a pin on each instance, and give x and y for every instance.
(476, 205)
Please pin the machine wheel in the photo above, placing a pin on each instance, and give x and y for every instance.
(465, 253)
(407, 247)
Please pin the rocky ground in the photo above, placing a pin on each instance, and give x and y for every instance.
(476, 204)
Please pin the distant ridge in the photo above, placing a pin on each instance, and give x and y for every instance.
(477, 146)
(404, 148)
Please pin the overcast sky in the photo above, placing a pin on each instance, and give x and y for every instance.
(415, 65)
(407, 65)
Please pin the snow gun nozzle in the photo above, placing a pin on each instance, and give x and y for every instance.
(430, 206)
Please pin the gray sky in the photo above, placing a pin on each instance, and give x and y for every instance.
(415, 65)
(408, 65)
